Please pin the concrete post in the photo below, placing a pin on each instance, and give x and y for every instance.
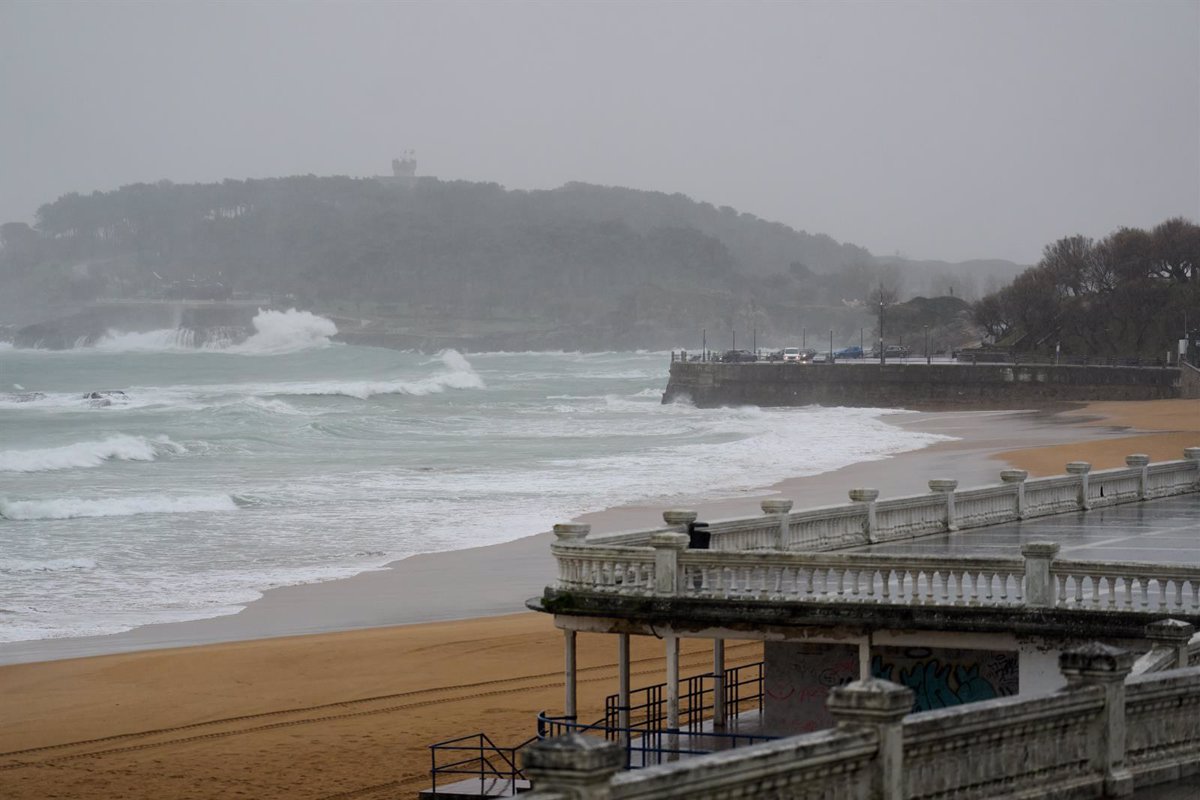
(672, 643)
(569, 673)
(679, 517)
(867, 497)
(574, 766)
(1017, 476)
(1097, 664)
(1139, 461)
(571, 532)
(880, 705)
(1193, 454)
(719, 711)
(623, 686)
(946, 486)
(780, 507)
(1039, 583)
(1081, 468)
(1172, 633)
(667, 547)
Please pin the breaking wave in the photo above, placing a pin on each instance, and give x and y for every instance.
(87, 454)
(75, 507)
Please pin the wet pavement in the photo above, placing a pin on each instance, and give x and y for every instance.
(1164, 531)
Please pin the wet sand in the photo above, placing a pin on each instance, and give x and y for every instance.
(348, 709)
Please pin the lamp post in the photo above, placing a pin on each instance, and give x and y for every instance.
(928, 360)
(882, 353)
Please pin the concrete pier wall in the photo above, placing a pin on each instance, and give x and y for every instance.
(913, 385)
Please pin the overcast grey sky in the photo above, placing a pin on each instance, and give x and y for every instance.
(939, 130)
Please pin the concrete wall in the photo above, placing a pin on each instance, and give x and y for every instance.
(913, 385)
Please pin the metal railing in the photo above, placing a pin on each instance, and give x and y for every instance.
(648, 740)
(484, 760)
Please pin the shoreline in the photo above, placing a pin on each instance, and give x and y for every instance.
(351, 713)
(496, 579)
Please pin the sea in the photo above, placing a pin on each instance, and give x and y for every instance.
(144, 479)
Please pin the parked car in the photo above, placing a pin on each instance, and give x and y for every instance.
(820, 358)
(738, 357)
(794, 354)
(853, 351)
(892, 351)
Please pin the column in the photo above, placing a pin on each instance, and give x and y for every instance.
(1175, 634)
(569, 672)
(867, 497)
(1039, 583)
(1139, 461)
(1081, 468)
(623, 687)
(719, 710)
(780, 508)
(667, 547)
(575, 766)
(946, 486)
(1017, 476)
(1098, 664)
(672, 643)
(880, 705)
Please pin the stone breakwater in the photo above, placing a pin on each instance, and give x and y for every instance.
(709, 385)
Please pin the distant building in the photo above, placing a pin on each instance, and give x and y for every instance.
(404, 170)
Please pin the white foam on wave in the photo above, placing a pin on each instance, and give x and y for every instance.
(88, 454)
(277, 332)
(459, 374)
(75, 507)
(163, 340)
(13, 565)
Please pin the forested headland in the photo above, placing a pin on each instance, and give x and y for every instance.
(581, 266)
(1132, 294)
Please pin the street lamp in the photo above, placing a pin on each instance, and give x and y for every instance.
(928, 360)
(882, 353)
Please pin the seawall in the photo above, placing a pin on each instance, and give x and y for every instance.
(914, 385)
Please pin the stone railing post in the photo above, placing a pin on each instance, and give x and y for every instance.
(867, 497)
(881, 706)
(571, 532)
(1139, 461)
(1039, 583)
(1172, 633)
(1097, 664)
(946, 486)
(1193, 454)
(1081, 468)
(780, 507)
(679, 517)
(1017, 476)
(667, 547)
(574, 766)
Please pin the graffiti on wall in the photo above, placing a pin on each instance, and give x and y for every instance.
(947, 677)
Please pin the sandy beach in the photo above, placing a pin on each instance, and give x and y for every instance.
(335, 689)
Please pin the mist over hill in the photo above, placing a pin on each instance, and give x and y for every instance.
(581, 266)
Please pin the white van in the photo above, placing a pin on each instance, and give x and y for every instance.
(792, 354)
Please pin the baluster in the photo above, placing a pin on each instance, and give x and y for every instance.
(1145, 585)
(958, 587)
(1003, 585)
(1112, 591)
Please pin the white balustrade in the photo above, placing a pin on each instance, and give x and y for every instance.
(909, 517)
(986, 505)
(784, 556)
(1112, 486)
(1108, 585)
(1057, 495)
